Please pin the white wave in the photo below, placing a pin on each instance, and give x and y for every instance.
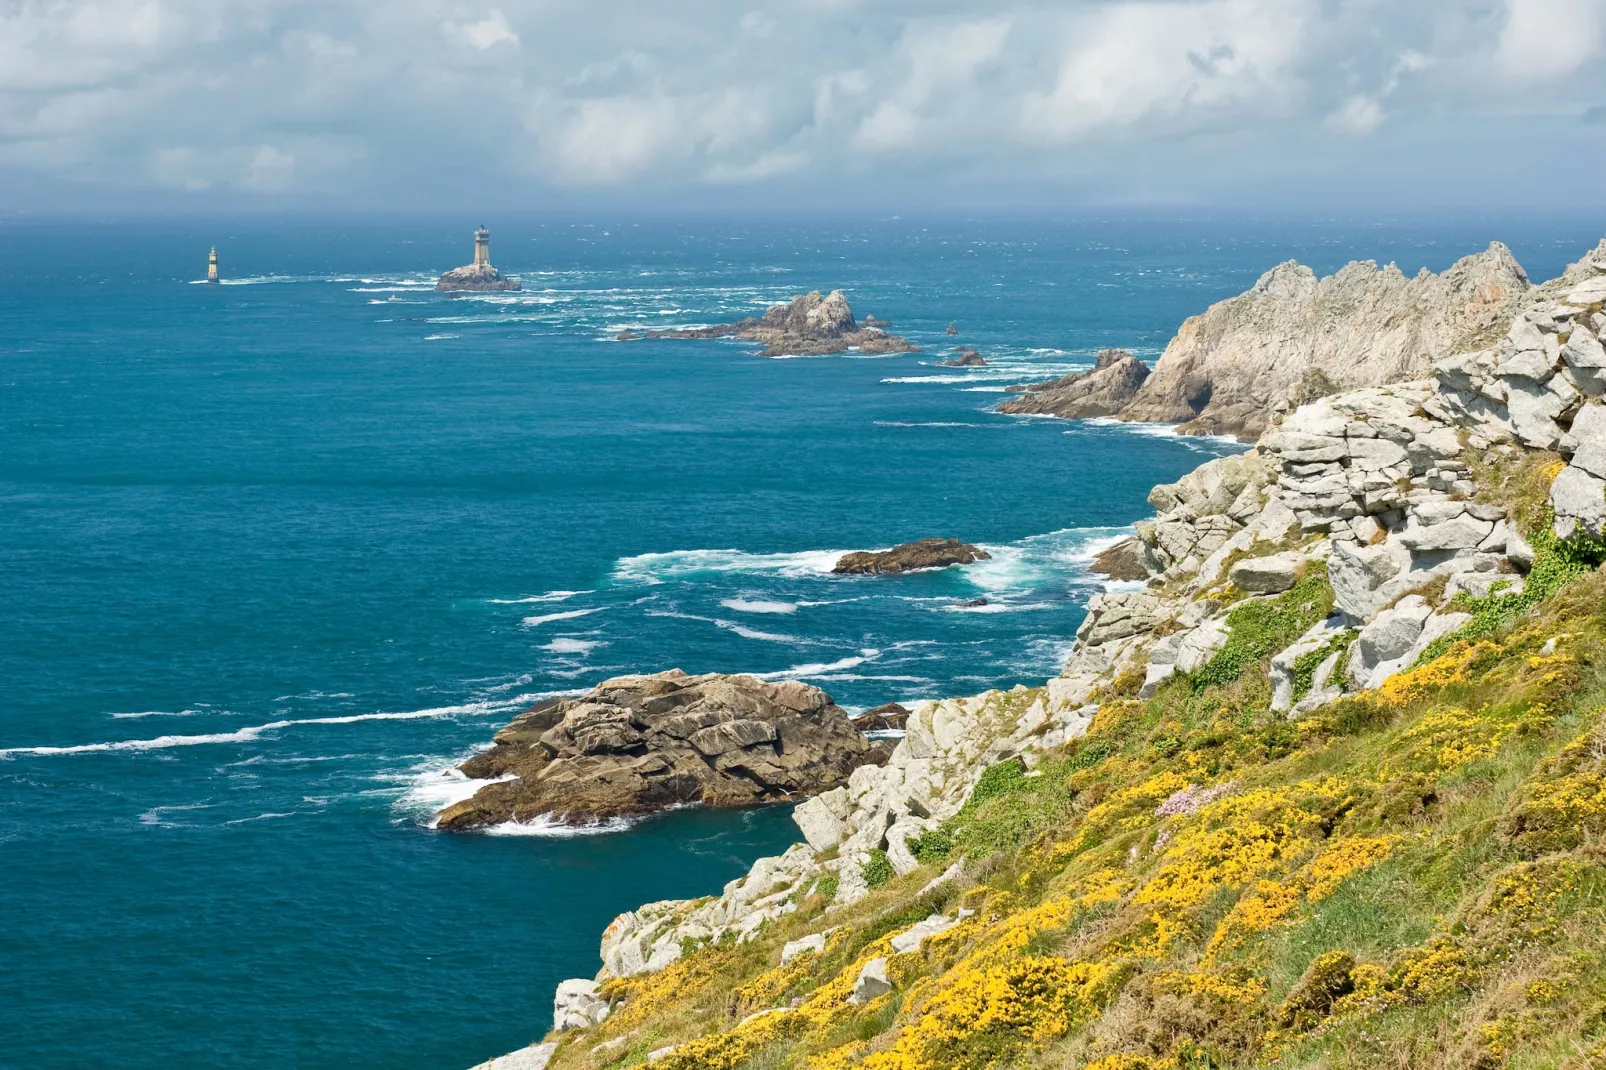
(930, 423)
(862, 676)
(1159, 430)
(818, 668)
(550, 596)
(743, 605)
(732, 626)
(270, 816)
(252, 733)
(985, 390)
(531, 622)
(153, 816)
(928, 379)
(572, 646)
(1038, 560)
(163, 713)
(750, 633)
(655, 568)
(432, 789)
(552, 829)
(1000, 607)
(440, 337)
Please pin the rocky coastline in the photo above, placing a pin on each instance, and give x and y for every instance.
(1245, 362)
(809, 325)
(1360, 558)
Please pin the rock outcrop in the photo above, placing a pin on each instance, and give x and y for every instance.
(1294, 337)
(1111, 385)
(1127, 560)
(910, 557)
(965, 357)
(640, 744)
(890, 717)
(809, 325)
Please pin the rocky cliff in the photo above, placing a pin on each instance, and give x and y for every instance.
(808, 325)
(636, 745)
(1105, 390)
(1329, 790)
(1294, 337)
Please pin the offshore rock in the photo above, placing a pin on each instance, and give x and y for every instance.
(476, 277)
(1109, 387)
(891, 716)
(636, 745)
(965, 357)
(1294, 338)
(809, 325)
(909, 557)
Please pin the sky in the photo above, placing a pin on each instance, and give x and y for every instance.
(164, 105)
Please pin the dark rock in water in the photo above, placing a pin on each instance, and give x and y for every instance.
(882, 718)
(952, 330)
(967, 357)
(1126, 560)
(972, 604)
(909, 556)
(636, 745)
(809, 325)
(1115, 379)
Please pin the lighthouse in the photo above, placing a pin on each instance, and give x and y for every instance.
(211, 265)
(479, 275)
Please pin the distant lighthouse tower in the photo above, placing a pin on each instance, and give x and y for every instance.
(479, 275)
(211, 265)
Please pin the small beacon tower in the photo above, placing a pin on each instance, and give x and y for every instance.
(482, 247)
(211, 265)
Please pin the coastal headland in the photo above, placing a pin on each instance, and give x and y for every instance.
(1332, 772)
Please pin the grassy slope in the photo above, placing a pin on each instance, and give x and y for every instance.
(1411, 877)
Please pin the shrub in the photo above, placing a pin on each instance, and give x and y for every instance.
(878, 870)
(1259, 628)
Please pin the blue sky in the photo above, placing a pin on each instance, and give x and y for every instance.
(215, 104)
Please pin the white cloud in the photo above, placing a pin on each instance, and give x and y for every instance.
(1164, 67)
(488, 32)
(360, 99)
(1549, 38)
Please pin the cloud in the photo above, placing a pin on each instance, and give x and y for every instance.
(1167, 67)
(347, 100)
(488, 32)
(1545, 39)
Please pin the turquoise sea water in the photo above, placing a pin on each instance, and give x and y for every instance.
(275, 554)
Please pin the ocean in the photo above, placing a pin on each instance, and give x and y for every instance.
(277, 553)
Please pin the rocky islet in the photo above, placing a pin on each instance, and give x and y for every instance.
(809, 325)
(637, 745)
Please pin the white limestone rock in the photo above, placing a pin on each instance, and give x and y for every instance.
(911, 939)
(820, 819)
(535, 1057)
(872, 982)
(1579, 500)
(578, 1005)
(1272, 574)
(813, 942)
